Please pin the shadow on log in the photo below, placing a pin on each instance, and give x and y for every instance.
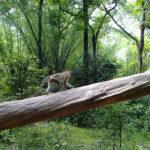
(35, 109)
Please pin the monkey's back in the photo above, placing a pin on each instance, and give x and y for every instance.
(61, 77)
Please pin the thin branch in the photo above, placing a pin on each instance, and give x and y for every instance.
(100, 25)
(68, 12)
(71, 21)
(28, 21)
(1, 13)
(126, 32)
(25, 37)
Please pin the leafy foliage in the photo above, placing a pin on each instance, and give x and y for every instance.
(106, 69)
(120, 126)
(23, 77)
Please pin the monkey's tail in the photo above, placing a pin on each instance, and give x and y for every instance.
(45, 79)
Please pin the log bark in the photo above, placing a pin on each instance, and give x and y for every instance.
(51, 106)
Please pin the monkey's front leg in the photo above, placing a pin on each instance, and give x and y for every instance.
(68, 86)
(49, 85)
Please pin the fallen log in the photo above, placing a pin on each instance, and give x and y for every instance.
(51, 106)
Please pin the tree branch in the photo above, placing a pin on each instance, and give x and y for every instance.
(1, 13)
(100, 25)
(21, 112)
(101, 22)
(126, 32)
(75, 16)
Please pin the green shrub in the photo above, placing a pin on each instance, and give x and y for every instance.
(22, 78)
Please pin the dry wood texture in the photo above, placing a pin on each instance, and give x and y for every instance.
(22, 112)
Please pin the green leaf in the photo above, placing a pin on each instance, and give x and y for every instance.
(138, 2)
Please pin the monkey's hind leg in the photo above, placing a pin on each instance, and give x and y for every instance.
(61, 86)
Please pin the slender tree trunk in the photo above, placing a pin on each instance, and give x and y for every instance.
(39, 43)
(58, 36)
(56, 54)
(55, 51)
(120, 132)
(56, 42)
(94, 44)
(28, 21)
(114, 145)
(1, 136)
(141, 42)
(85, 47)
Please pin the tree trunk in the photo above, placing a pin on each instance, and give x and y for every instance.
(57, 35)
(85, 47)
(141, 42)
(21, 112)
(94, 44)
(40, 30)
(55, 53)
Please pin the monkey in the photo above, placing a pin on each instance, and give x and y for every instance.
(61, 79)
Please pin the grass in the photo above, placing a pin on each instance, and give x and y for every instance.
(84, 138)
(60, 136)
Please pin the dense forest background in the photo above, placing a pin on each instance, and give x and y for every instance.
(97, 40)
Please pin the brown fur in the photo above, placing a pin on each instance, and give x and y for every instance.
(61, 79)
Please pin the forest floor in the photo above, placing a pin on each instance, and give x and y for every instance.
(60, 136)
